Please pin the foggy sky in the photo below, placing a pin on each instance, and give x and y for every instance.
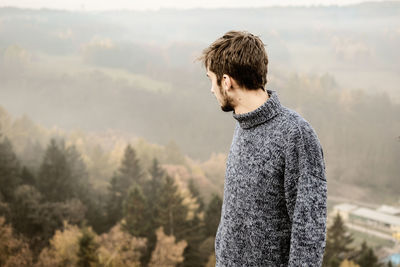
(96, 5)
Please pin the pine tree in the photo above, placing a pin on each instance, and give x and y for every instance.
(24, 210)
(194, 236)
(128, 174)
(135, 212)
(27, 177)
(337, 243)
(194, 255)
(366, 257)
(153, 186)
(152, 192)
(87, 255)
(62, 174)
(9, 170)
(213, 215)
(196, 193)
(171, 211)
(152, 189)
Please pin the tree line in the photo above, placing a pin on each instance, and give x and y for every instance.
(54, 217)
(41, 208)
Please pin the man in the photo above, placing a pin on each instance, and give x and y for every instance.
(274, 204)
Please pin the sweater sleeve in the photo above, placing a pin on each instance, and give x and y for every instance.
(306, 195)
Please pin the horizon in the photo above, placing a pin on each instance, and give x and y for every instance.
(155, 5)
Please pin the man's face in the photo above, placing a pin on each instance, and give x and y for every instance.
(224, 100)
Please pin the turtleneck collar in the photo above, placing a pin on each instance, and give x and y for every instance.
(269, 109)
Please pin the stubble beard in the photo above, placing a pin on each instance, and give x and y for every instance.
(227, 105)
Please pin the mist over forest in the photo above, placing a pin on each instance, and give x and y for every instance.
(101, 81)
(134, 71)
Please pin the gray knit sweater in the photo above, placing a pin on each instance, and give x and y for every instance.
(275, 191)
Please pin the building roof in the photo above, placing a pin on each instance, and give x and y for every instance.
(345, 207)
(377, 216)
(389, 210)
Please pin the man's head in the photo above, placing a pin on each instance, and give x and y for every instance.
(237, 59)
(241, 55)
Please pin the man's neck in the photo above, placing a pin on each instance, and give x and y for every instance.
(249, 100)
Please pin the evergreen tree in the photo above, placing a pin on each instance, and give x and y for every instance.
(135, 213)
(9, 170)
(171, 211)
(195, 235)
(152, 189)
(79, 180)
(54, 174)
(170, 214)
(366, 257)
(27, 177)
(24, 210)
(213, 215)
(39, 220)
(152, 192)
(128, 174)
(337, 243)
(87, 255)
(154, 184)
(196, 193)
(130, 171)
(62, 174)
(96, 204)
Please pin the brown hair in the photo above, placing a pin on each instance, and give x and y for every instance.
(241, 55)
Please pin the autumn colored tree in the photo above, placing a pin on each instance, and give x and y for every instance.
(13, 251)
(211, 261)
(167, 253)
(63, 248)
(348, 263)
(119, 248)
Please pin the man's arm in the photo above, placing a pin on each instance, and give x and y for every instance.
(306, 195)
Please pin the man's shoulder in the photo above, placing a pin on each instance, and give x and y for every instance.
(296, 124)
(292, 119)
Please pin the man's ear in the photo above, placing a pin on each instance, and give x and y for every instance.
(227, 82)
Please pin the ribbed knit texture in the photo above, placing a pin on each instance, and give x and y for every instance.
(275, 192)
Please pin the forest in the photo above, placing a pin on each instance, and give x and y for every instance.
(56, 217)
(113, 149)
